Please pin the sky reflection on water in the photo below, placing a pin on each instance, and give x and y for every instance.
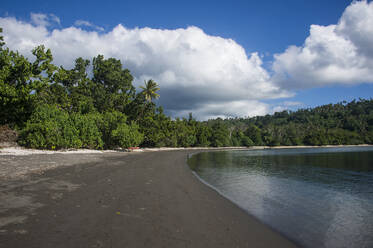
(319, 197)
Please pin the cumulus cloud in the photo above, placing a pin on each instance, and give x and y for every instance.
(334, 54)
(241, 108)
(83, 23)
(207, 75)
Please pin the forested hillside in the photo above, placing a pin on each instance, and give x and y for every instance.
(95, 105)
(335, 124)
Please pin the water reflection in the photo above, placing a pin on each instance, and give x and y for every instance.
(317, 197)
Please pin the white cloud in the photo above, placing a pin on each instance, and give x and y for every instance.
(55, 19)
(228, 109)
(278, 109)
(286, 105)
(334, 54)
(209, 75)
(292, 103)
(44, 20)
(39, 19)
(199, 73)
(82, 23)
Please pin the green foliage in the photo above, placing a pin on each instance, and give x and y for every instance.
(89, 132)
(110, 122)
(185, 133)
(203, 134)
(255, 135)
(240, 139)
(117, 133)
(154, 135)
(149, 90)
(57, 108)
(127, 135)
(158, 130)
(112, 87)
(16, 100)
(220, 134)
(334, 124)
(369, 137)
(50, 128)
(2, 43)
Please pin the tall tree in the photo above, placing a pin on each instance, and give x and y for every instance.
(78, 86)
(21, 82)
(147, 94)
(113, 89)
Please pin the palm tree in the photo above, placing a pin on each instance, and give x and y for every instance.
(149, 93)
(149, 90)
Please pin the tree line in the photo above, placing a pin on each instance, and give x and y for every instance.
(95, 105)
(333, 124)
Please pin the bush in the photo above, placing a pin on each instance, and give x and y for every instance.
(127, 135)
(116, 132)
(89, 133)
(50, 128)
(108, 123)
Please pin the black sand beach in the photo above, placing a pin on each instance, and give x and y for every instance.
(148, 199)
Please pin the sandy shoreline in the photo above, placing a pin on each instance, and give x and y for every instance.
(19, 162)
(19, 151)
(117, 199)
(13, 170)
(49, 196)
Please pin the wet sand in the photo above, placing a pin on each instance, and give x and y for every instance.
(148, 199)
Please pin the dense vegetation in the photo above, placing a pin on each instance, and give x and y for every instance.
(98, 107)
(334, 124)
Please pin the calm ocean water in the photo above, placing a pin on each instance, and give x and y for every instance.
(318, 197)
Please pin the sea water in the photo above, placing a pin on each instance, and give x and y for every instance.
(317, 197)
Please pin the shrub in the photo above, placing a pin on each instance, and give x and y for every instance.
(116, 132)
(108, 123)
(127, 135)
(89, 132)
(50, 128)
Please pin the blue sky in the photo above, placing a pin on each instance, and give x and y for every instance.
(265, 28)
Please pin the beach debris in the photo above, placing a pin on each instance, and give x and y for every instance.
(134, 149)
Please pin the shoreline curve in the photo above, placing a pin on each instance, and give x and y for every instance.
(149, 199)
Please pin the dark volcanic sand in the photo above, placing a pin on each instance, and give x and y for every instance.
(148, 199)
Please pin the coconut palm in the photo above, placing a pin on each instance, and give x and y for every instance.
(149, 93)
(149, 90)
